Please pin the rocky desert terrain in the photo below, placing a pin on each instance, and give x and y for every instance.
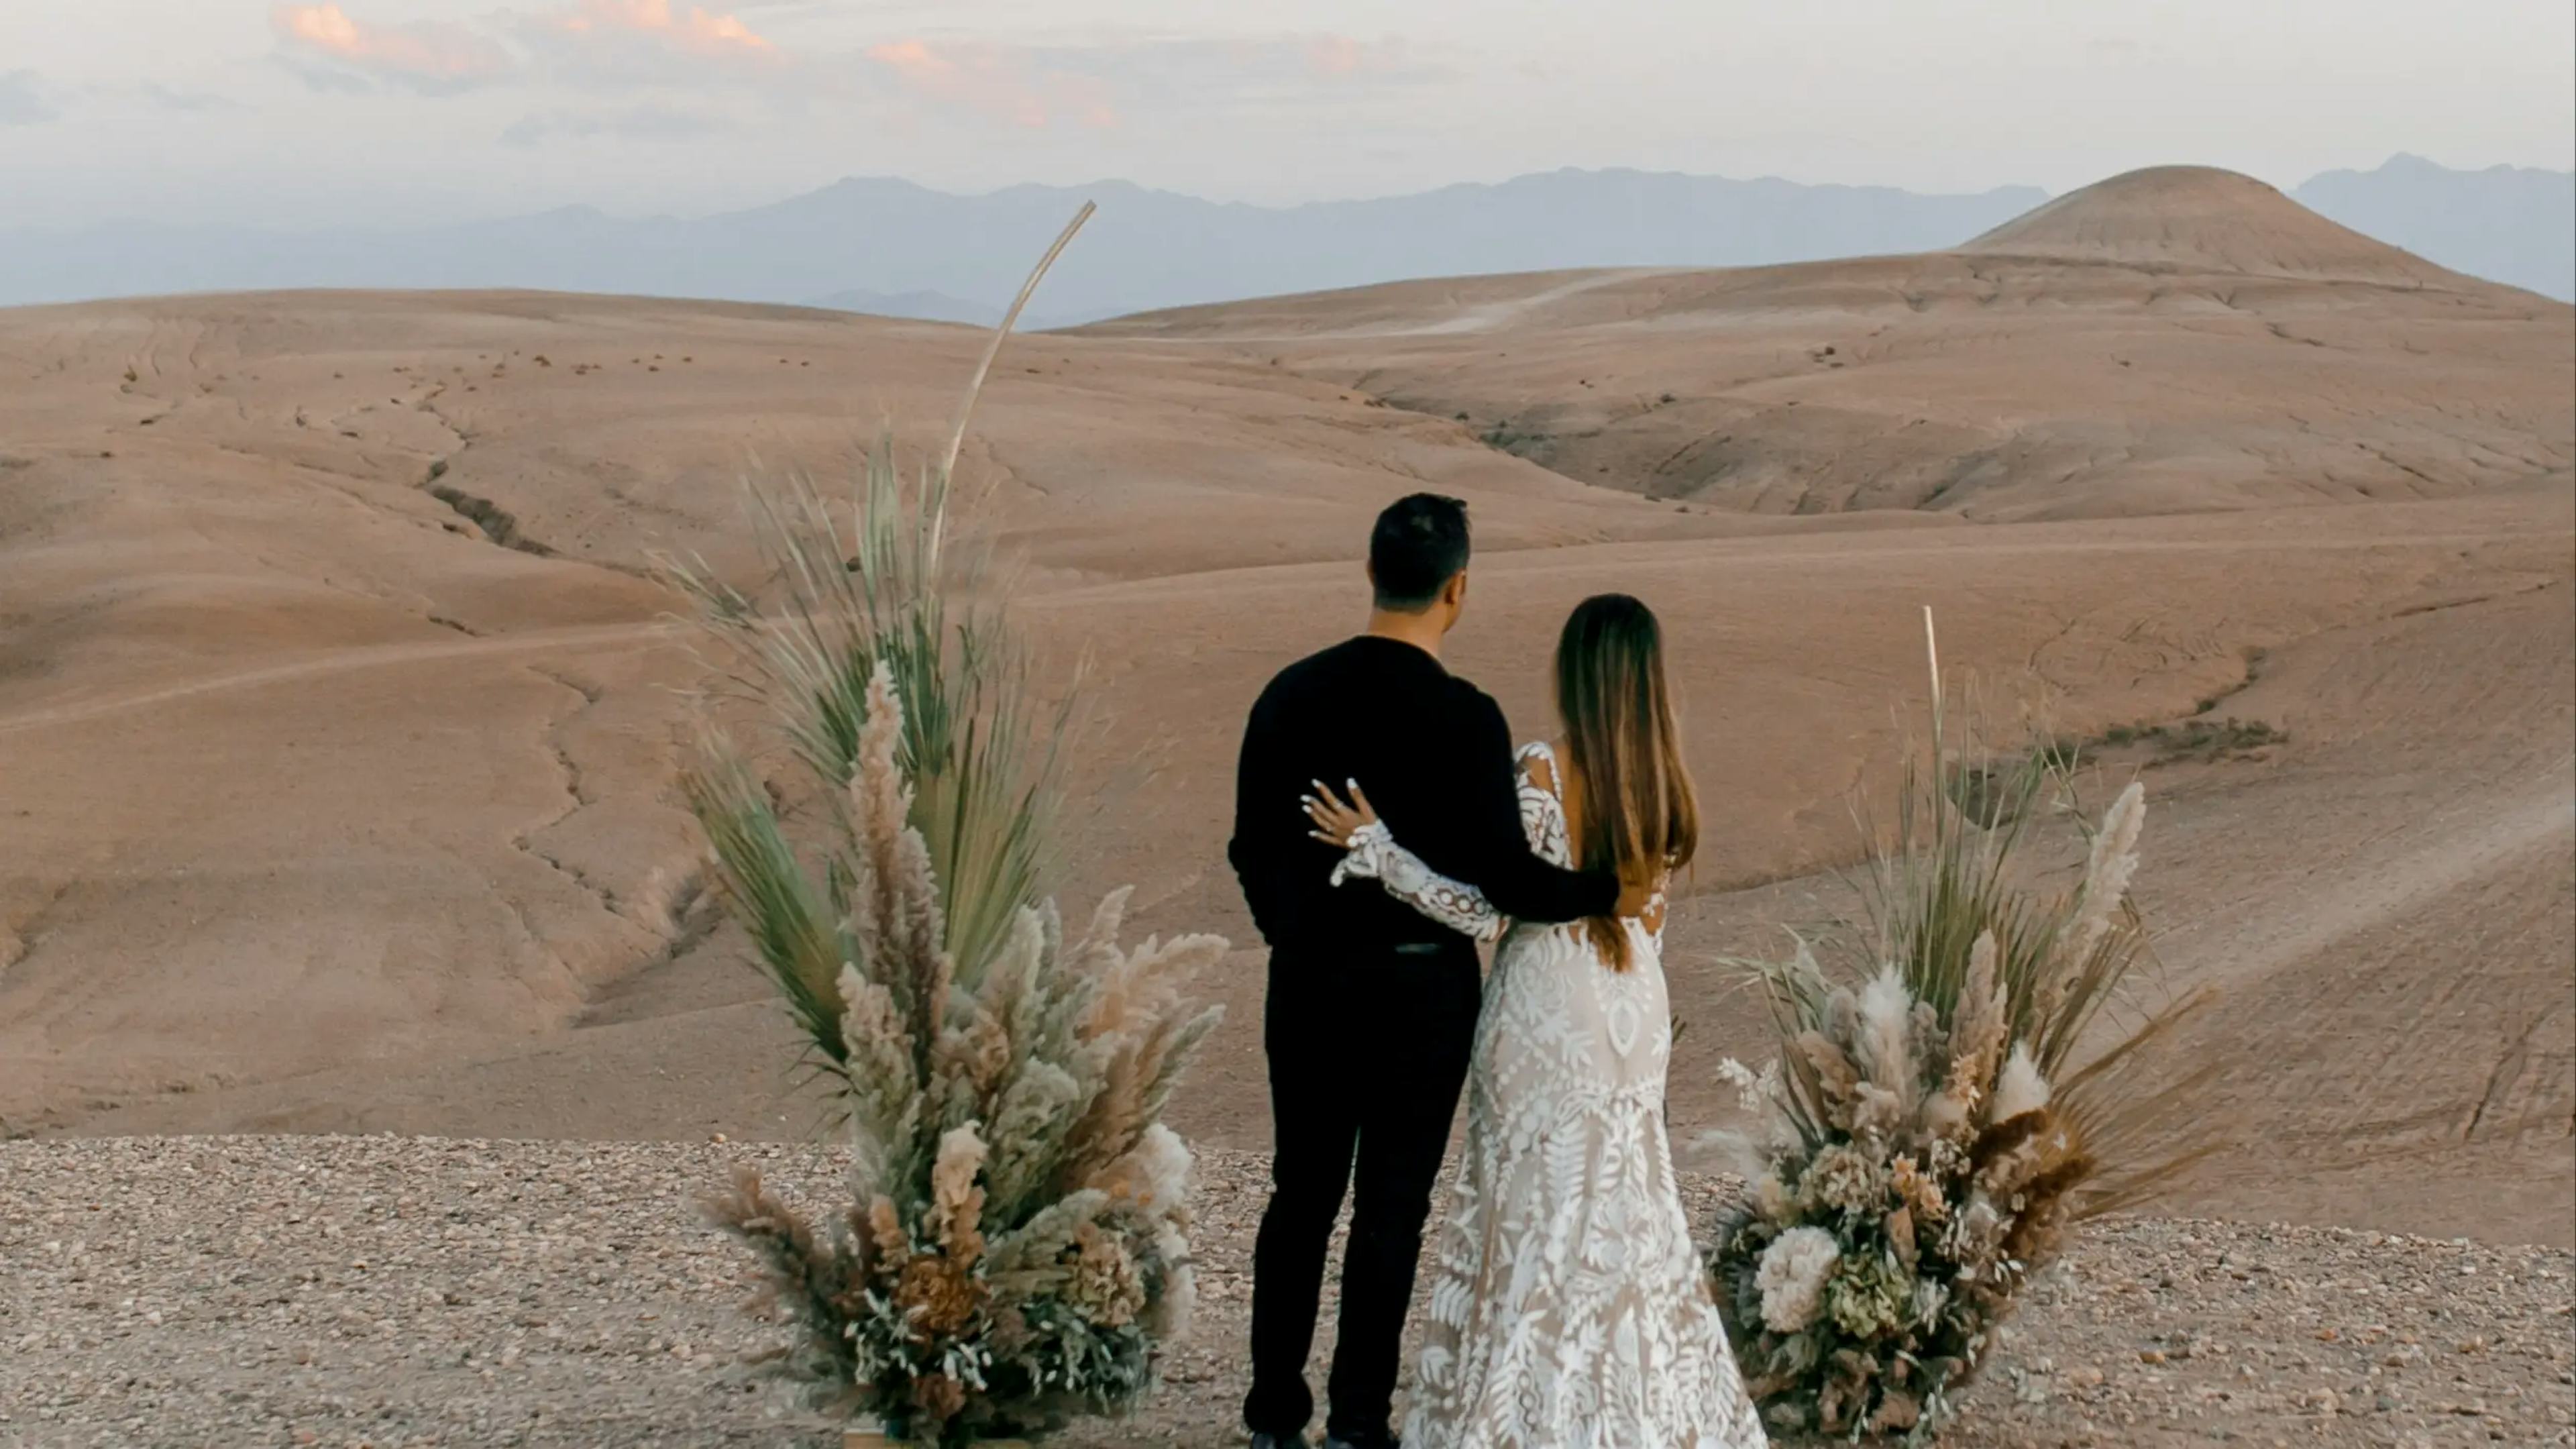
(408, 1291)
(341, 711)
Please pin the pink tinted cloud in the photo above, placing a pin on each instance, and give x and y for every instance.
(1006, 84)
(430, 55)
(1335, 55)
(700, 31)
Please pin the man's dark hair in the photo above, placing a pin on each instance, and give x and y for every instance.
(1419, 545)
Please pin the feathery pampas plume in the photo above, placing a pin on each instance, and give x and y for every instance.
(1016, 1240)
(1933, 1138)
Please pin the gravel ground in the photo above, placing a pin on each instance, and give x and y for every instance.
(388, 1291)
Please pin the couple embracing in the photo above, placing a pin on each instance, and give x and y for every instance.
(1384, 825)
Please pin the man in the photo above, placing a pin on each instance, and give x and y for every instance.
(1371, 1014)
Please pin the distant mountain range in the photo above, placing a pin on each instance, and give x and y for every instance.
(894, 248)
(891, 244)
(2507, 224)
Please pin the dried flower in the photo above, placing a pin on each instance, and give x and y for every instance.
(1792, 1277)
(1833, 1069)
(1106, 1287)
(1876, 1113)
(1153, 1179)
(1847, 1176)
(2113, 862)
(1754, 1091)
(893, 1244)
(2021, 1089)
(938, 1294)
(1868, 1295)
(1918, 1190)
(1885, 1044)
(938, 1397)
(1973, 1233)
(1976, 1039)
(956, 1203)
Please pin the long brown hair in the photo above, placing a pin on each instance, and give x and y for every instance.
(1638, 816)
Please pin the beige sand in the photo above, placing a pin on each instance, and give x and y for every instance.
(335, 795)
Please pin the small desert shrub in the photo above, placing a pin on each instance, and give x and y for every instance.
(1933, 1134)
(2197, 739)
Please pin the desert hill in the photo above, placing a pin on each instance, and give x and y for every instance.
(340, 710)
(2198, 219)
(2165, 341)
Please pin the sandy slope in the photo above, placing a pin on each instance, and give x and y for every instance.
(337, 795)
(2171, 339)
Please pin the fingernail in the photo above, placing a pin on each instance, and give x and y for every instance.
(1350, 784)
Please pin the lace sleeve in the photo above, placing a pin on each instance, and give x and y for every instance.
(1374, 855)
(1542, 817)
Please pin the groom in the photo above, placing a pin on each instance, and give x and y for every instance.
(1372, 1008)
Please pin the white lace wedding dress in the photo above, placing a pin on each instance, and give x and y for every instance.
(1568, 1307)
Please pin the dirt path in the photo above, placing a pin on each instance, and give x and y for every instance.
(510, 647)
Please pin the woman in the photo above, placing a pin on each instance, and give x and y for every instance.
(1568, 1307)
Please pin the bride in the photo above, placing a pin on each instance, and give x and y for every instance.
(1568, 1307)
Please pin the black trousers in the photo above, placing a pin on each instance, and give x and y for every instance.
(1368, 1051)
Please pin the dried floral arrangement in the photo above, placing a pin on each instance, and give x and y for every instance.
(1942, 1116)
(1015, 1243)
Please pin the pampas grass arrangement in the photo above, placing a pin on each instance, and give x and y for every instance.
(1015, 1242)
(1942, 1116)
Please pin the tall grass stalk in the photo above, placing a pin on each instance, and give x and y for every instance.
(846, 587)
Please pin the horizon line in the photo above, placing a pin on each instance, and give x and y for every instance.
(858, 178)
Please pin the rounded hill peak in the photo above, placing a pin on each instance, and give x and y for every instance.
(2202, 218)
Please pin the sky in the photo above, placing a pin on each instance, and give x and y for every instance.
(404, 111)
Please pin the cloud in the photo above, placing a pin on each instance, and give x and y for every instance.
(1336, 55)
(326, 77)
(22, 101)
(629, 43)
(700, 32)
(1318, 62)
(1006, 83)
(1092, 84)
(639, 123)
(429, 56)
(170, 99)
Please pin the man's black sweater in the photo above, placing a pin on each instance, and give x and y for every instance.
(1434, 756)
